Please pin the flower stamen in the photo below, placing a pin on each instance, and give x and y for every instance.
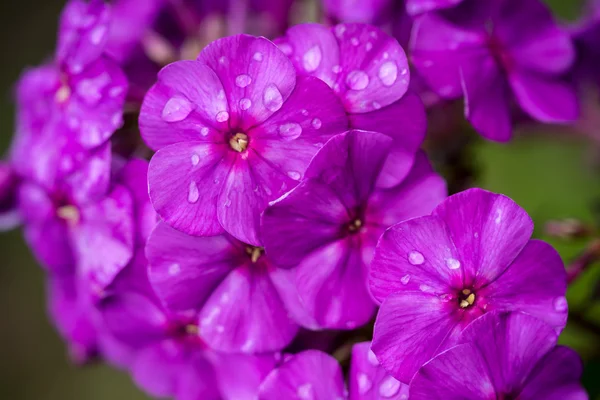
(69, 213)
(355, 225)
(467, 298)
(254, 253)
(239, 142)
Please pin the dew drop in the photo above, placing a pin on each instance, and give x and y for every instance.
(357, 80)
(204, 131)
(316, 123)
(243, 80)
(290, 131)
(116, 91)
(272, 98)
(176, 109)
(285, 48)
(223, 60)
(354, 41)
(294, 175)
(336, 69)
(245, 104)
(193, 194)
(369, 46)
(404, 71)
(405, 279)
(376, 105)
(195, 159)
(416, 258)
(388, 73)
(304, 112)
(453, 263)
(389, 387)
(386, 55)
(560, 304)
(221, 94)
(364, 383)
(305, 392)
(98, 34)
(312, 59)
(372, 358)
(257, 56)
(222, 116)
(174, 269)
(339, 30)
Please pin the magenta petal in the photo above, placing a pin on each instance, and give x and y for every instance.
(314, 51)
(487, 104)
(243, 381)
(308, 375)
(556, 377)
(107, 226)
(498, 229)
(374, 68)
(185, 180)
(287, 220)
(402, 348)
(158, 367)
(183, 269)
(285, 282)
(547, 100)
(245, 314)
(367, 11)
(368, 380)
(183, 106)
(404, 121)
(91, 180)
(332, 284)
(197, 380)
(534, 283)
(414, 254)
(415, 7)
(438, 380)
(256, 76)
(134, 176)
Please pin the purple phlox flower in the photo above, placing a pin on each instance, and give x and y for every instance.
(368, 380)
(586, 37)
(9, 182)
(62, 229)
(311, 374)
(363, 11)
(244, 304)
(168, 357)
(494, 52)
(416, 7)
(331, 238)
(369, 72)
(436, 274)
(234, 130)
(503, 356)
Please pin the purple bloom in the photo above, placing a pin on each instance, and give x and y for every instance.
(239, 296)
(311, 374)
(9, 217)
(502, 356)
(436, 274)
(369, 381)
(586, 36)
(493, 52)
(328, 225)
(234, 130)
(364, 11)
(415, 7)
(369, 72)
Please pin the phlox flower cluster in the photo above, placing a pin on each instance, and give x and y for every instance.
(226, 216)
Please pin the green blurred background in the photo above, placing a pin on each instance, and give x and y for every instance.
(551, 175)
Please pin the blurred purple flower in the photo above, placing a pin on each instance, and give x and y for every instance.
(503, 356)
(436, 274)
(329, 225)
(234, 130)
(9, 216)
(493, 52)
(586, 36)
(311, 374)
(236, 292)
(368, 380)
(369, 72)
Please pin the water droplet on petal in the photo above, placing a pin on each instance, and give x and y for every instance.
(405, 279)
(357, 80)
(221, 94)
(304, 112)
(290, 131)
(364, 383)
(243, 80)
(316, 123)
(339, 30)
(174, 269)
(272, 98)
(388, 73)
(257, 56)
(223, 60)
(305, 392)
(193, 194)
(195, 159)
(376, 105)
(245, 104)
(222, 116)
(312, 59)
(176, 109)
(336, 69)
(404, 71)
(389, 387)
(560, 304)
(369, 46)
(354, 41)
(294, 175)
(372, 358)
(285, 48)
(204, 131)
(97, 34)
(453, 263)
(416, 258)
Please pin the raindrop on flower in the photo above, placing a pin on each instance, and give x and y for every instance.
(243, 80)
(294, 175)
(336, 69)
(97, 34)
(364, 383)
(272, 98)
(285, 48)
(222, 116)
(452, 263)
(195, 159)
(290, 131)
(204, 131)
(193, 193)
(257, 56)
(357, 80)
(560, 304)
(245, 104)
(305, 392)
(389, 387)
(176, 109)
(354, 41)
(405, 279)
(388, 73)
(316, 123)
(416, 258)
(312, 59)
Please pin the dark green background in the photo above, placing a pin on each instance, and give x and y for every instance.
(551, 176)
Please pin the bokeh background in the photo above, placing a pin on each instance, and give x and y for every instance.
(553, 173)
